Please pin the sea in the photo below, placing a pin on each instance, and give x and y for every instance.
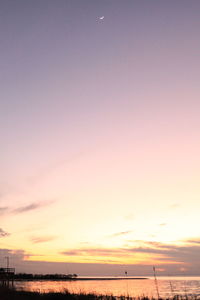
(166, 287)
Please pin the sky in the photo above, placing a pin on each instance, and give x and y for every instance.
(100, 136)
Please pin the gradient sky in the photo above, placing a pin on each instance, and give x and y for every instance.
(100, 136)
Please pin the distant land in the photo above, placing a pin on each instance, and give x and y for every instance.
(26, 276)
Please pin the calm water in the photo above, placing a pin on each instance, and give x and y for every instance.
(168, 286)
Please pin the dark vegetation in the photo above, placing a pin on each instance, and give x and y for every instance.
(25, 276)
(12, 294)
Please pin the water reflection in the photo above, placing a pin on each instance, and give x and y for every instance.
(168, 287)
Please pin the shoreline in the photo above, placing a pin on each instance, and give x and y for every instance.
(83, 279)
(114, 278)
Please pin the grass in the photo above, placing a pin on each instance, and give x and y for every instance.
(12, 294)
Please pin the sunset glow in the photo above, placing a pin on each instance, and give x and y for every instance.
(100, 136)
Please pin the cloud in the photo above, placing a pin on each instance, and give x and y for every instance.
(174, 205)
(3, 209)
(152, 248)
(129, 217)
(100, 260)
(180, 254)
(85, 243)
(162, 224)
(195, 241)
(37, 240)
(92, 252)
(30, 207)
(22, 263)
(14, 255)
(3, 233)
(121, 233)
(173, 259)
(160, 269)
(186, 253)
(26, 208)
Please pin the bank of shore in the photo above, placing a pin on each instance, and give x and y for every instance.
(110, 278)
(80, 279)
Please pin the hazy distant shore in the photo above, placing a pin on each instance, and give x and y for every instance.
(80, 279)
(112, 278)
